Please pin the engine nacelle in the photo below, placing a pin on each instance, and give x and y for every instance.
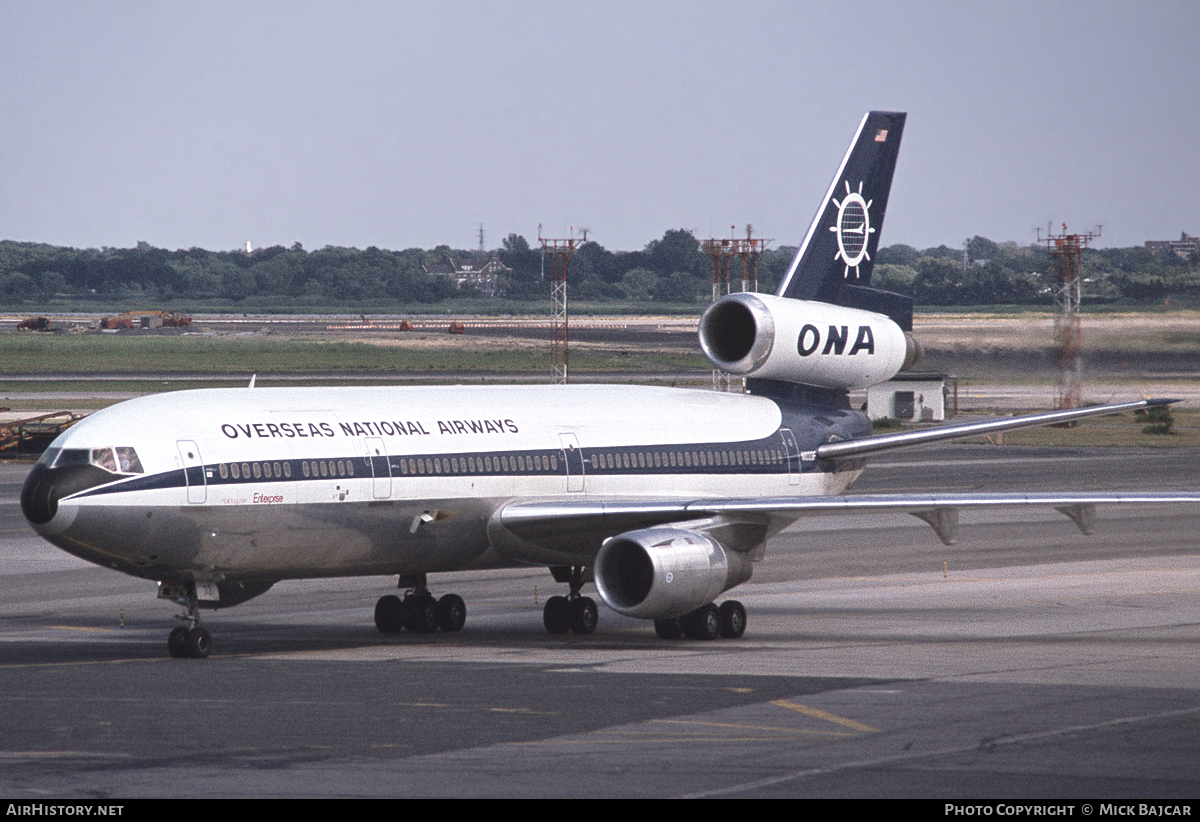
(775, 338)
(659, 573)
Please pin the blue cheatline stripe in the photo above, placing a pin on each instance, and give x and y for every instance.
(765, 456)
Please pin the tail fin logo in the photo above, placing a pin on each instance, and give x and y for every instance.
(852, 227)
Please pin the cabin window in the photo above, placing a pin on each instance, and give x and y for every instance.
(287, 470)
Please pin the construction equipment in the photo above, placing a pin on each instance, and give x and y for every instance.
(29, 437)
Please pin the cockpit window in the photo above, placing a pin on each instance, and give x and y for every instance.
(103, 457)
(72, 456)
(120, 460)
(127, 458)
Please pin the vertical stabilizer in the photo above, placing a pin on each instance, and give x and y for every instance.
(834, 262)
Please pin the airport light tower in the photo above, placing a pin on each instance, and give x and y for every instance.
(1066, 251)
(560, 252)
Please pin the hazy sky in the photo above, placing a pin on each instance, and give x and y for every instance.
(405, 125)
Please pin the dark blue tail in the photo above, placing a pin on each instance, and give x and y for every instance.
(834, 263)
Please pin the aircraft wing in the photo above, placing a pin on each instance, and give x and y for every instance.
(562, 531)
(578, 528)
(850, 449)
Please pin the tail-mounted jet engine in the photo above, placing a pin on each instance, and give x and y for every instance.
(776, 338)
(661, 573)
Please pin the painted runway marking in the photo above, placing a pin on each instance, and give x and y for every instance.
(828, 717)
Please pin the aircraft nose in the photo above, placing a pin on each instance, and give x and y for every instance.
(44, 487)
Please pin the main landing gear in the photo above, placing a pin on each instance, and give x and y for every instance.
(572, 613)
(706, 622)
(419, 612)
(191, 642)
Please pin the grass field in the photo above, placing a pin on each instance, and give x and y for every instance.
(118, 354)
(1121, 430)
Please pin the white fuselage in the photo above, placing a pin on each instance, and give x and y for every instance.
(274, 483)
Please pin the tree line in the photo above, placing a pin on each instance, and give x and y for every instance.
(669, 270)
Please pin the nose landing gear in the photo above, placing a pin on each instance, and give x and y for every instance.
(191, 642)
(573, 613)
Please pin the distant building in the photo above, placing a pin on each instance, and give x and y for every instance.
(916, 396)
(483, 274)
(1184, 247)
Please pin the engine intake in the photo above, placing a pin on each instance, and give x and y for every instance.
(659, 573)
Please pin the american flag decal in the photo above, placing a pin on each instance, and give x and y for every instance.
(881, 135)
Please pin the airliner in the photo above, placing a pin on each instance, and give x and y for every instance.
(664, 499)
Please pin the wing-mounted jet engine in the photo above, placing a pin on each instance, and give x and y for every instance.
(670, 573)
